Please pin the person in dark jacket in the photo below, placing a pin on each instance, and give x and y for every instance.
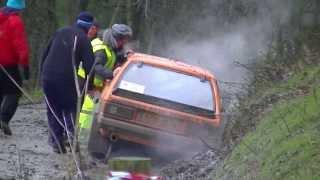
(68, 47)
(14, 53)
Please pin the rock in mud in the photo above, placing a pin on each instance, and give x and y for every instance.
(200, 166)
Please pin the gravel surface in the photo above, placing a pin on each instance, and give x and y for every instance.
(27, 155)
(201, 166)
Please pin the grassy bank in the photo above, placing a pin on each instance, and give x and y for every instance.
(285, 143)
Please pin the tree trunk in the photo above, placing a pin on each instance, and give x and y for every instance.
(83, 5)
(150, 42)
(115, 13)
(72, 10)
(317, 13)
(39, 29)
(129, 13)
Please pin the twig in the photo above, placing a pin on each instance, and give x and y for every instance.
(16, 84)
(106, 159)
(115, 13)
(20, 169)
(245, 66)
(73, 150)
(78, 108)
(315, 95)
(59, 122)
(209, 146)
(282, 118)
(74, 65)
(80, 93)
(146, 8)
(17, 167)
(233, 83)
(30, 103)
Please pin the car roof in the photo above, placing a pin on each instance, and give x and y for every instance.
(170, 64)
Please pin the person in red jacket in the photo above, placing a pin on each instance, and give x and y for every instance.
(14, 55)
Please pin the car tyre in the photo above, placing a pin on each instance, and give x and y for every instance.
(98, 147)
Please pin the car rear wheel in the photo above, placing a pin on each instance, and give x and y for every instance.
(98, 147)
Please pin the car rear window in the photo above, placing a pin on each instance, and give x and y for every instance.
(166, 87)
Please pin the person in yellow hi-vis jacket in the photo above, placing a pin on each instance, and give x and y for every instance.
(109, 53)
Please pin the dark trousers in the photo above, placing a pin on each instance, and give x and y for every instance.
(9, 93)
(61, 102)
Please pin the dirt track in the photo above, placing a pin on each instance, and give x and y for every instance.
(27, 155)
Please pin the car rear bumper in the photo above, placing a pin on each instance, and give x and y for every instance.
(147, 136)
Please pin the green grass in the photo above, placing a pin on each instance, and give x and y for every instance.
(286, 142)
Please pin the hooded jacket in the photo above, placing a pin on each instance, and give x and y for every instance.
(14, 49)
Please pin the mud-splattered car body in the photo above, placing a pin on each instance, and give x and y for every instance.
(158, 102)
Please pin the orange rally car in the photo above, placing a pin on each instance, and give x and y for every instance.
(156, 102)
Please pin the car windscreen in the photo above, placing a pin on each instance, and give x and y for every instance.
(166, 87)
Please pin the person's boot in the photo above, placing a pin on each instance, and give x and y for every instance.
(6, 129)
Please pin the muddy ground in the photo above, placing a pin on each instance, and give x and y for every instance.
(27, 155)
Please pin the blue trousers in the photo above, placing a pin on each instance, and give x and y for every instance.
(61, 99)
